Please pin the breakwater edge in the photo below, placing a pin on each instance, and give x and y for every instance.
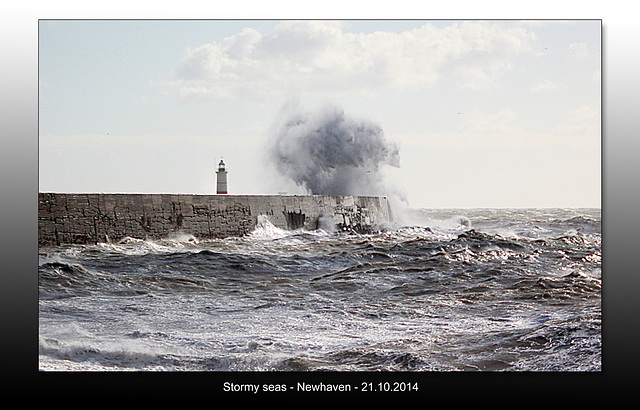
(67, 218)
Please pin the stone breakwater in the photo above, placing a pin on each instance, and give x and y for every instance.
(92, 218)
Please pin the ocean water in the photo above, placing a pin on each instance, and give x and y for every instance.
(448, 290)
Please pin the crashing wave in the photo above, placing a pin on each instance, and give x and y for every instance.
(265, 230)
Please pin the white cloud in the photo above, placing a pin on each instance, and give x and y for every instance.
(583, 123)
(480, 128)
(579, 50)
(319, 57)
(546, 85)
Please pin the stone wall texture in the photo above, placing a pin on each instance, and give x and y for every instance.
(92, 218)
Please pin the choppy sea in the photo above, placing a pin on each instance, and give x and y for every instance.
(451, 290)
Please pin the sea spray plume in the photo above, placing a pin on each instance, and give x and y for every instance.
(328, 153)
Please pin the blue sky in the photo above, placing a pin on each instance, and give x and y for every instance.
(499, 113)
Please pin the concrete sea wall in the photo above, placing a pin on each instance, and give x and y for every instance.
(92, 218)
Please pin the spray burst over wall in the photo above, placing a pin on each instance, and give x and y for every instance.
(329, 153)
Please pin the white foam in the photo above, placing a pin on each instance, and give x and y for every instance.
(136, 246)
(181, 238)
(265, 230)
(326, 223)
(73, 347)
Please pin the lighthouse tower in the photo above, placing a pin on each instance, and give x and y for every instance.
(222, 178)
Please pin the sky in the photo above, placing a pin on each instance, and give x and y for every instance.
(483, 113)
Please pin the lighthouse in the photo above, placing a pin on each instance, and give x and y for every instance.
(222, 178)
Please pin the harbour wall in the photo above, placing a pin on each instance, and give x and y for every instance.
(65, 218)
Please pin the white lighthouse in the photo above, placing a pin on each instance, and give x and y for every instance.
(222, 178)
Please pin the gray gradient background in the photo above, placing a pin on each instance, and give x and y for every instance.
(621, 219)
